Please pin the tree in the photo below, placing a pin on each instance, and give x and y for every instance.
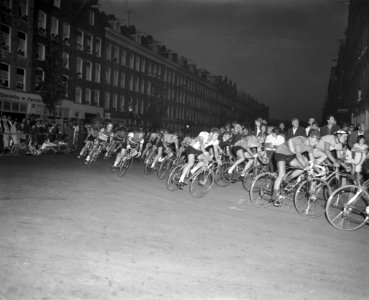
(52, 89)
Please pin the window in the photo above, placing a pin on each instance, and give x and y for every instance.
(97, 97)
(121, 103)
(107, 75)
(148, 68)
(88, 67)
(107, 100)
(142, 107)
(54, 30)
(39, 78)
(88, 96)
(89, 43)
(23, 9)
(65, 82)
(115, 102)
(123, 57)
(108, 51)
(148, 86)
(79, 39)
(22, 43)
(97, 72)
(91, 17)
(137, 63)
(79, 67)
(57, 3)
(41, 22)
(98, 47)
(4, 75)
(5, 38)
(143, 65)
(115, 77)
(142, 86)
(6, 6)
(137, 84)
(40, 54)
(66, 32)
(131, 61)
(116, 54)
(130, 83)
(78, 95)
(65, 57)
(122, 80)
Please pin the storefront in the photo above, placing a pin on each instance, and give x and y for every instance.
(19, 103)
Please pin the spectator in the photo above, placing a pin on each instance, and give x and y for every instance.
(295, 130)
(331, 126)
(282, 129)
(311, 121)
(5, 129)
(272, 141)
(354, 135)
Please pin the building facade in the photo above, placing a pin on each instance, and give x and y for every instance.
(348, 89)
(110, 69)
(16, 51)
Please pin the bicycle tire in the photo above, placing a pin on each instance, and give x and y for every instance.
(201, 183)
(173, 178)
(311, 197)
(164, 169)
(261, 190)
(336, 181)
(344, 215)
(147, 165)
(123, 169)
(219, 178)
(250, 176)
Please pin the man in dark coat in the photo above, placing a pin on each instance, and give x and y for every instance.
(295, 130)
(331, 126)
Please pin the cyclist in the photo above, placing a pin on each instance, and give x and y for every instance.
(197, 149)
(150, 143)
(292, 154)
(329, 143)
(115, 142)
(104, 135)
(168, 143)
(92, 133)
(135, 142)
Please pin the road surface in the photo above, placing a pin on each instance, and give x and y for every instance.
(71, 232)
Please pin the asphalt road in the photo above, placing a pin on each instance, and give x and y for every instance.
(71, 232)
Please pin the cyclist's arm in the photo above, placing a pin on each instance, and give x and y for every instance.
(327, 151)
(300, 157)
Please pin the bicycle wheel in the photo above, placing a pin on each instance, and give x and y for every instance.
(339, 180)
(173, 179)
(147, 165)
(348, 208)
(311, 197)
(219, 175)
(261, 190)
(164, 168)
(124, 166)
(201, 183)
(250, 176)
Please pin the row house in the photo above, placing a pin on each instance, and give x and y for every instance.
(348, 89)
(75, 30)
(16, 95)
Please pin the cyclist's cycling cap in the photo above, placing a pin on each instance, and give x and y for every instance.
(341, 131)
(314, 133)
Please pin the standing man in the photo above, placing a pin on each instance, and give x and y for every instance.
(360, 131)
(311, 121)
(5, 129)
(331, 126)
(296, 130)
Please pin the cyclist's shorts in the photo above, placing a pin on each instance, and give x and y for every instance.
(283, 157)
(236, 148)
(160, 144)
(192, 150)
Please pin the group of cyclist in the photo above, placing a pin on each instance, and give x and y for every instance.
(244, 145)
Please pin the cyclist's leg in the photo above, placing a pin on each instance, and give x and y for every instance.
(119, 156)
(319, 155)
(186, 169)
(249, 163)
(281, 166)
(299, 169)
(240, 159)
(160, 153)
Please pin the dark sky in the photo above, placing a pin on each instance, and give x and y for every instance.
(279, 51)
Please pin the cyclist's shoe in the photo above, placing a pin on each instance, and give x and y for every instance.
(181, 185)
(278, 201)
(113, 169)
(79, 156)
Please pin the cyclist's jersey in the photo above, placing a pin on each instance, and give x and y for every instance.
(236, 138)
(331, 140)
(289, 147)
(250, 141)
(170, 139)
(104, 134)
(134, 139)
(207, 141)
(223, 144)
(120, 135)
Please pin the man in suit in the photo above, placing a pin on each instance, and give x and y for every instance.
(331, 126)
(295, 130)
(310, 122)
(361, 131)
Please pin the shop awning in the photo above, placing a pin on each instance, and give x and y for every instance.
(12, 95)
